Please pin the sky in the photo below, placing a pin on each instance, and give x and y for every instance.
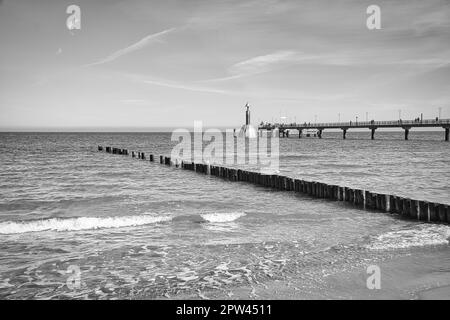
(143, 64)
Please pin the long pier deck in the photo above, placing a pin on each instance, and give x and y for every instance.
(371, 125)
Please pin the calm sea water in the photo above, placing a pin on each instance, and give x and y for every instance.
(136, 229)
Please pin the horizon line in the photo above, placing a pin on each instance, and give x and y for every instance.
(170, 129)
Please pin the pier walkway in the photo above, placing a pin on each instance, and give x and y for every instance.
(284, 129)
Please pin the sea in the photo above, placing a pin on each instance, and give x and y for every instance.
(76, 223)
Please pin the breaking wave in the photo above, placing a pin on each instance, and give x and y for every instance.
(76, 224)
(222, 217)
(89, 223)
(417, 236)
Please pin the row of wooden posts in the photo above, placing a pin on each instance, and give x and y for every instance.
(408, 208)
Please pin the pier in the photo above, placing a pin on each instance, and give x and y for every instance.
(406, 125)
(406, 208)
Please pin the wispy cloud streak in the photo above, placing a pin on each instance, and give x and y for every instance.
(182, 86)
(135, 46)
(174, 85)
(261, 63)
(282, 59)
(256, 65)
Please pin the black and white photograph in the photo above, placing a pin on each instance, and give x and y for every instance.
(232, 151)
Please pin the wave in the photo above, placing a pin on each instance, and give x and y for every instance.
(222, 217)
(419, 236)
(210, 217)
(76, 224)
(89, 223)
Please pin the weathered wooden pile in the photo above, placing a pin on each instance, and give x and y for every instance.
(408, 208)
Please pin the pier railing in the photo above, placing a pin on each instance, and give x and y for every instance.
(372, 125)
(360, 124)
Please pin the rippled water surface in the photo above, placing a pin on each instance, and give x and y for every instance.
(135, 229)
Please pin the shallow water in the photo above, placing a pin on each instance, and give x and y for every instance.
(136, 229)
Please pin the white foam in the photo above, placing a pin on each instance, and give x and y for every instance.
(416, 236)
(87, 223)
(75, 224)
(222, 217)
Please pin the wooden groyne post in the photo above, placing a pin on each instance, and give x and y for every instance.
(418, 210)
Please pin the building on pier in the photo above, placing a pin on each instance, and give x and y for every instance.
(247, 130)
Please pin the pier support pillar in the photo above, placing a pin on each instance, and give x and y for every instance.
(300, 133)
(373, 133)
(319, 133)
(447, 131)
(287, 133)
(344, 133)
(406, 133)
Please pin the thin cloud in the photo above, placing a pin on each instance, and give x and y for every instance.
(173, 84)
(281, 59)
(301, 97)
(256, 65)
(137, 102)
(277, 60)
(135, 46)
(261, 63)
(182, 86)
